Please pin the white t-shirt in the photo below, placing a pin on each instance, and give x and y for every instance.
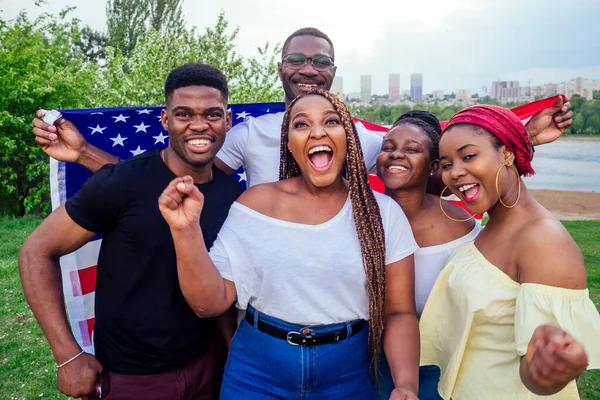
(255, 145)
(429, 262)
(304, 274)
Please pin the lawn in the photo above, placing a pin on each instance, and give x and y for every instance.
(27, 368)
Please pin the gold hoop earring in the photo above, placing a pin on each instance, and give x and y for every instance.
(449, 217)
(518, 180)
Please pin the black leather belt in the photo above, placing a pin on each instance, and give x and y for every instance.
(307, 336)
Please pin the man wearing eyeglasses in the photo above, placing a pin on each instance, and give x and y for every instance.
(307, 62)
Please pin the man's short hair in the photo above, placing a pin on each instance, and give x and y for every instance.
(196, 74)
(306, 32)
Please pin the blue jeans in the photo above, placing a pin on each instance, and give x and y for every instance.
(429, 377)
(260, 366)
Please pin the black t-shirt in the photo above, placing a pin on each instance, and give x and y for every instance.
(143, 324)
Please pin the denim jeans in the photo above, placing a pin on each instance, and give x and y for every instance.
(260, 366)
(429, 377)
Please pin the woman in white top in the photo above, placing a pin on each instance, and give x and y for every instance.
(311, 258)
(409, 157)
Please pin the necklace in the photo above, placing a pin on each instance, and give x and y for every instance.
(163, 156)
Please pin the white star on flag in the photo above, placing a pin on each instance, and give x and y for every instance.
(94, 113)
(160, 138)
(268, 109)
(229, 109)
(96, 129)
(242, 177)
(144, 111)
(159, 117)
(141, 127)
(121, 117)
(243, 114)
(118, 140)
(137, 151)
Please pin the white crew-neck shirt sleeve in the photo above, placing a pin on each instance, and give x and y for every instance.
(304, 274)
(370, 142)
(233, 151)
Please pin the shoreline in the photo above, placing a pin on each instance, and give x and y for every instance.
(581, 138)
(569, 205)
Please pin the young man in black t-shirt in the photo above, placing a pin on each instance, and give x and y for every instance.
(148, 341)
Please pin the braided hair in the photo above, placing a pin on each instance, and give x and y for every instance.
(365, 210)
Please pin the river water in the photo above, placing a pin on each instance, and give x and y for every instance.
(567, 165)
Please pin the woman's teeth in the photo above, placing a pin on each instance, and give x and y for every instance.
(319, 148)
(466, 187)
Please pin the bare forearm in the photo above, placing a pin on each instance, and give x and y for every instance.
(93, 158)
(201, 283)
(42, 287)
(402, 349)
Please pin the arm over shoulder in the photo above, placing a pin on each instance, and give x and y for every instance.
(233, 151)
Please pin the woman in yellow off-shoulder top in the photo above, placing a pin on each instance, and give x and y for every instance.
(509, 317)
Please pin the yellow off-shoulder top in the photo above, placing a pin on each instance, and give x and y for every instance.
(477, 323)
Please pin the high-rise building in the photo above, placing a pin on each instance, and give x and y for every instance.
(365, 88)
(337, 87)
(416, 87)
(505, 90)
(394, 87)
(463, 95)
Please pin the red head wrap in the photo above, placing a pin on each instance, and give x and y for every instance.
(503, 124)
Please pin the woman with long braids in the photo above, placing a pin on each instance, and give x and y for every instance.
(322, 264)
(409, 157)
(509, 316)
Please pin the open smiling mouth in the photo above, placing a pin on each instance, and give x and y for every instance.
(396, 169)
(307, 86)
(321, 157)
(469, 192)
(199, 145)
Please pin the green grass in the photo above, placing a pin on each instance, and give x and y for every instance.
(27, 368)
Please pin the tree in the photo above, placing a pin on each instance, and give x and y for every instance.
(93, 44)
(139, 79)
(40, 65)
(592, 125)
(165, 16)
(126, 22)
(578, 124)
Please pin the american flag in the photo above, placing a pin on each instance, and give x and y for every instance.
(125, 132)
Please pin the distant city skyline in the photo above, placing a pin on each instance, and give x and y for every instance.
(456, 44)
(501, 90)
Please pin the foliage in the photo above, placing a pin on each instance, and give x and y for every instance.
(39, 65)
(139, 79)
(54, 62)
(586, 119)
(165, 16)
(126, 22)
(129, 20)
(93, 45)
(587, 116)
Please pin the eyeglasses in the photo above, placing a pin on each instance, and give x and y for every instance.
(297, 61)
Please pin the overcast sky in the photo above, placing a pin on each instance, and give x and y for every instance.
(456, 44)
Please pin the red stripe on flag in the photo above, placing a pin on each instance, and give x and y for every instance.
(87, 279)
(370, 126)
(376, 183)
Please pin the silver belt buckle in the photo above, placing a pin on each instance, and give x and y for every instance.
(289, 339)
